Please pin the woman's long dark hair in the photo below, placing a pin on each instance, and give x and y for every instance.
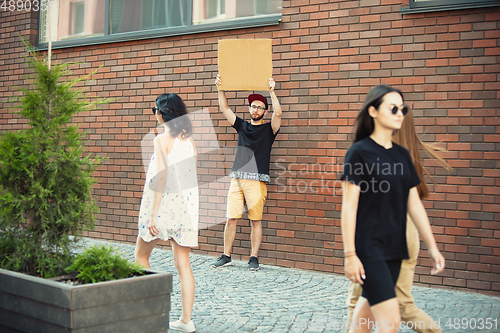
(407, 137)
(174, 114)
(364, 122)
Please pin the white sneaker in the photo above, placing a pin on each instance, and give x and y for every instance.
(180, 326)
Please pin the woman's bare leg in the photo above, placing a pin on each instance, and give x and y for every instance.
(384, 317)
(387, 314)
(362, 315)
(183, 265)
(143, 251)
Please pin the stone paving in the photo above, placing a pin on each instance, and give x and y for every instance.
(277, 299)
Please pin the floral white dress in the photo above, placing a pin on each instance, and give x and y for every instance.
(178, 212)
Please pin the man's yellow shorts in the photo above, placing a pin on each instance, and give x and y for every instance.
(251, 192)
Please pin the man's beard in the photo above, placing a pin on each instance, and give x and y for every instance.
(256, 117)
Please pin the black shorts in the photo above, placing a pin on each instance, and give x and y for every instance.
(381, 278)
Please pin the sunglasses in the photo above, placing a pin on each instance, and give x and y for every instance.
(156, 109)
(404, 110)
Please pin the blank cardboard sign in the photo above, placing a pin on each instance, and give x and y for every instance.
(245, 64)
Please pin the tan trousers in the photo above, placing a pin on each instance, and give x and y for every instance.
(414, 317)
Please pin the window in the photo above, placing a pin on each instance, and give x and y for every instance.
(263, 7)
(419, 6)
(205, 11)
(133, 15)
(87, 22)
(78, 18)
(216, 9)
(72, 19)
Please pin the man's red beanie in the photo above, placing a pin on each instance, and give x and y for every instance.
(257, 97)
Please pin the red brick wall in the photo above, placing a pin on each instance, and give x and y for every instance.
(327, 55)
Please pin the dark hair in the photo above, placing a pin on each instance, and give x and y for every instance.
(174, 114)
(364, 122)
(408, 138)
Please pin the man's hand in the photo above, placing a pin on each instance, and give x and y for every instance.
(438, 261)
(271, 84)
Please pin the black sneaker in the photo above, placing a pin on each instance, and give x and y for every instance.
(253, 264)
(222, 261)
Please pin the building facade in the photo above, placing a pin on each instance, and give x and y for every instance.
(327, 54)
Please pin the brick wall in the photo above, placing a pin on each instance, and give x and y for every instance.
(326, 56)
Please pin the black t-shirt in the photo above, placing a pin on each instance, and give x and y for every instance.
(253, 154)
(385, 177)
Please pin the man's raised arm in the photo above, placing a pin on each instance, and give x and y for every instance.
(224, 107)
(276, 118)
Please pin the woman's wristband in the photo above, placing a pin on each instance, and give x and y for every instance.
(349, 254)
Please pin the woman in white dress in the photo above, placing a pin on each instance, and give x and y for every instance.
(169, 205)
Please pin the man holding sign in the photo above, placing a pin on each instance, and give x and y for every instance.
(250, 171)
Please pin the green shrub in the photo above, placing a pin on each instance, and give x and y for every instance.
(100, 264)
(45, 177)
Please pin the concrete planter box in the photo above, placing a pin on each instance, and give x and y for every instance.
(31, 304)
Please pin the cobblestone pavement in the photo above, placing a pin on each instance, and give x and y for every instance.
(276, 299)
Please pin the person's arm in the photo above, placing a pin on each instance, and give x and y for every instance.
(353, 268)
(161, 180)
(276, 118)
(195, 153)
(224, 107)
(419, 216)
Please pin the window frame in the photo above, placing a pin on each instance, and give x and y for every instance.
(259, 21)
(416, 6)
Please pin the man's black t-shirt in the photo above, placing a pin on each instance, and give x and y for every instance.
(253, 154)
(385, 177)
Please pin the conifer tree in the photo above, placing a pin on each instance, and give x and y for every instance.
(46, 175)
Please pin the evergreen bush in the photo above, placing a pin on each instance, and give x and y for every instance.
(45, 175)
(99, 264)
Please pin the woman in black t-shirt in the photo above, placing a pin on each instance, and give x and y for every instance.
(379, 189)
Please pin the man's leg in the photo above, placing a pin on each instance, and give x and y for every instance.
(255, 196)
(414, 317)
(256, 237)
(353, 294)
(235, 204)
(229, 236)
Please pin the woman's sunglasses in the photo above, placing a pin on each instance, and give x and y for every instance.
(156, 109)
(404, 110)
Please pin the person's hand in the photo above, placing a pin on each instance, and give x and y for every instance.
(153, 226)
(438, 260)
(271, 84)
(353, 269)
(218, 81)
